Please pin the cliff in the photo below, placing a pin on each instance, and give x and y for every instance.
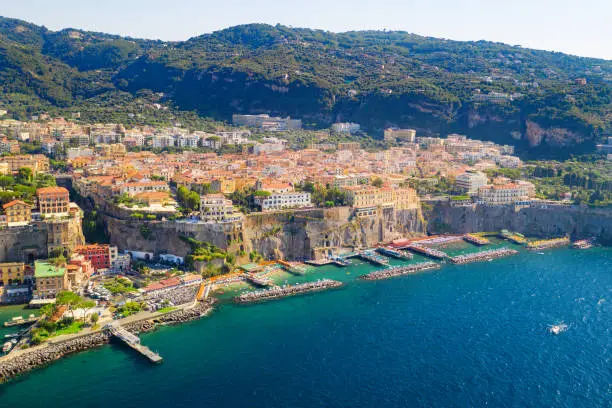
(580, 222)
(285, 235)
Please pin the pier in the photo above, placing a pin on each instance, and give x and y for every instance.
(133, 342)
(394, 253)
(400, 270)
(476, 240)
(374, 258)
(548, 243)
(430, 252)
(259, 281)
(513, 236)
(280, 292)
(483, 256)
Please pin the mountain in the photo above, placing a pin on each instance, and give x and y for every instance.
(546, 103)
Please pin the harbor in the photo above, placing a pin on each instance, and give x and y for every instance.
(394, 271)
(483, 256)
(280, 292)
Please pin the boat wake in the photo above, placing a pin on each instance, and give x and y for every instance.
(558, 328)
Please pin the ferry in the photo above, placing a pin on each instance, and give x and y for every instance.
(582, 244)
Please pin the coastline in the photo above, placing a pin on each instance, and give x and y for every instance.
(24, 361)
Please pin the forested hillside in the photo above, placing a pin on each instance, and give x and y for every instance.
(548, 104)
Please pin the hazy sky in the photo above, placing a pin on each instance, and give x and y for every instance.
(576, 27)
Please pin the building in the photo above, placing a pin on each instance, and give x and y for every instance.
(349, 146)
(17, 213)
(471, 181)
(121, 263)
(53, 200)
(12, 273)
(346, 127)
(143, 187)
(98, 254)
(279, 201)
(504, 194)
(403, 135)
(49, 279)
(267, 122)
(216, 208)
(74, 152)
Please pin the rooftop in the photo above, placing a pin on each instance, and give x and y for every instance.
(44, 269)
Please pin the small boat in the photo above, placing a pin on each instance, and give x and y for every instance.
(558, 328)
(7, 347)
(11, 336)
(582, 244)
(540, 253)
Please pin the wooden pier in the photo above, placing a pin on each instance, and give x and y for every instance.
(132, 341)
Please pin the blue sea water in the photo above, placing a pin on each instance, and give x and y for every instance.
(473, 335)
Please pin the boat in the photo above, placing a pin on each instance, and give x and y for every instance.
(7, 347)
(11, 336)
(558, 328)
(19, 320)
(582, 244)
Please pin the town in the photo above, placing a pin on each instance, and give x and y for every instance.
(102, 222)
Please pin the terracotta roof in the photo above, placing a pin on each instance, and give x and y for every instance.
(14, 202)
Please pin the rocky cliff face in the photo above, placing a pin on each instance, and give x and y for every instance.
(579, 222)
(288, 235)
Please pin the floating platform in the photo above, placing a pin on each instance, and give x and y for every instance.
(475, 239)
(513, 236)
(374, 258)
(394, 253)
(430, 252)
(19, 320)
(400, 270)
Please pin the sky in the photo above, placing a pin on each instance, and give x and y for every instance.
(576, 27)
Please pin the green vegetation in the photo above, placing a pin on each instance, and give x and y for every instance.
(23, 186)
(202, 251)
(373, 78)
(47, 329)
(119, 286)
(130, 308)
(166, 309)
(188, 199)
(324, 196)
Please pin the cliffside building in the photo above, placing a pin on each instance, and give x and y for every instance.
(216, 208)
(53, 200)
(17, 213)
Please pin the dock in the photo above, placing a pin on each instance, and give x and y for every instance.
(132, 341)
(394, 253)
(513, 236)
(259, 281)
(430, 252)
(548, 243)
(475, 239)
(374, 258)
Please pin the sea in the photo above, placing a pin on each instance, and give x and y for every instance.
(475, 335)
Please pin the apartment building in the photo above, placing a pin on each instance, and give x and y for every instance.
(216, 208)
(138, 187)
(346, 127)
(267, 122)
(98, 254)
(505, 193)
(53, 200)
(17, 213)
(403, 135)
(12, 273)
(49, 279)
(471, 181)
(279, 201)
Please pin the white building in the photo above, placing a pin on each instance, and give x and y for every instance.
(404, 135)
(190, 141)
(143, 187)
(470, 182)
(73, 152)
(346, 127)
(279, 201)
(504, 194)
(216, 208)
(265, 148)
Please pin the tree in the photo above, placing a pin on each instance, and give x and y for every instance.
(25, 175)
(94, 318)
(6, 181)
(377, 182)
(187, 198)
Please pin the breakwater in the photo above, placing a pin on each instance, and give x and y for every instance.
(483, 256)
(23, 361)
(400, 270)
(280, 292)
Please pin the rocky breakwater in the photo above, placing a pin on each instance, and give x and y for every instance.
(400, 270)
(23, 361)
(280, 292)
(483, 256)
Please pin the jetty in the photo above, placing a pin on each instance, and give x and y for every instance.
(475, 239)
(513, 236)
(259, 281)
(394, 253)
(133, 341)
(430, 252)
(19, 320)
(483, 256)
(288, 290)
(373, 257)
(295, 268)
(394, 271)
(548, 243)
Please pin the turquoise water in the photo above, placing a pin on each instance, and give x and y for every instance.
(462, 336)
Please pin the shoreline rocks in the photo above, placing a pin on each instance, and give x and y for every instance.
(40, 356)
